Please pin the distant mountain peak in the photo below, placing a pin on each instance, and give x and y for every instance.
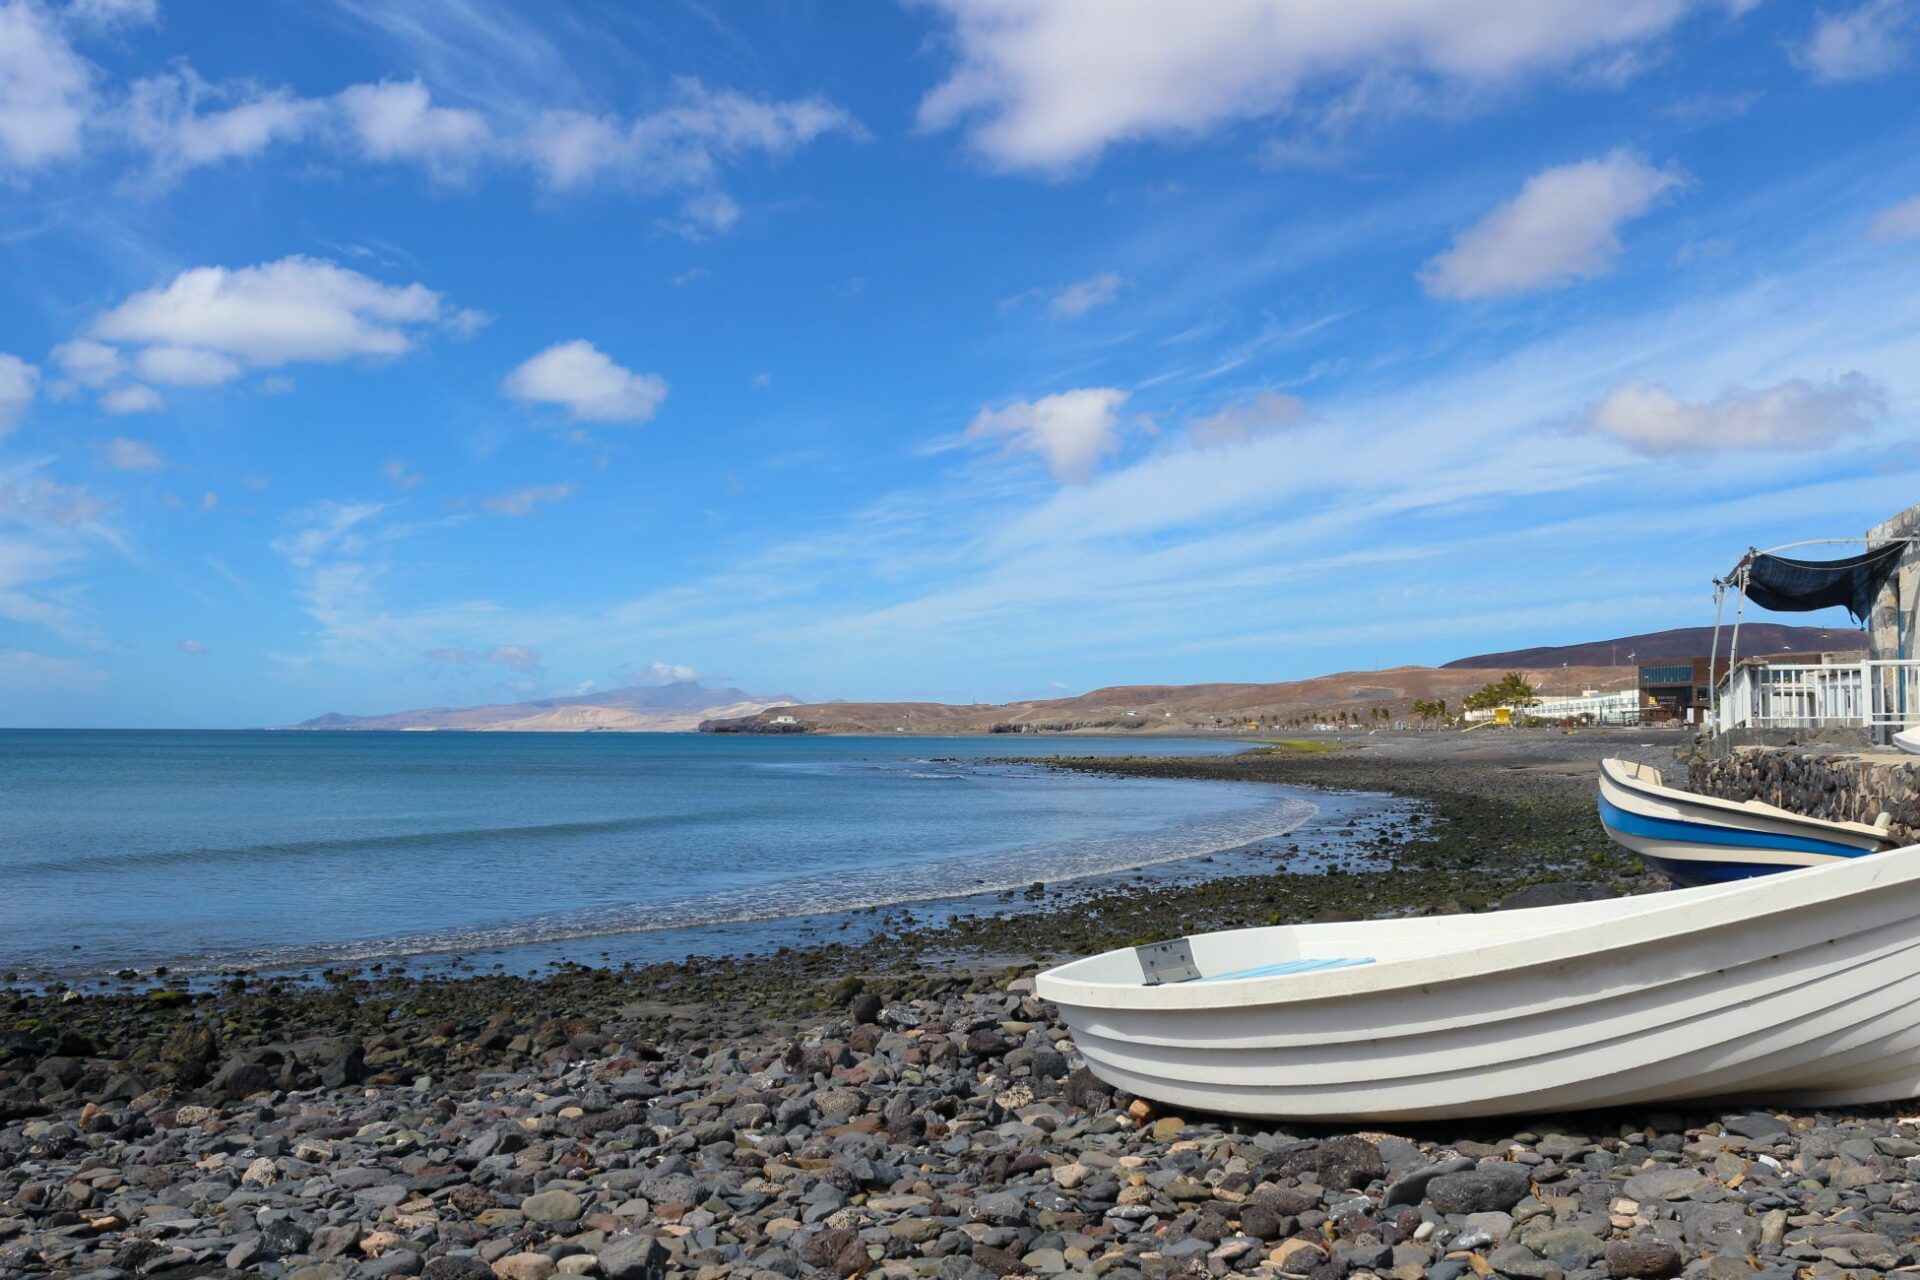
(673, 707)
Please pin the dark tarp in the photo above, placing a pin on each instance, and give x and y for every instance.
(1799, 586)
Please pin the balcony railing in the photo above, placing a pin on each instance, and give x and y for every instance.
(1786, 695)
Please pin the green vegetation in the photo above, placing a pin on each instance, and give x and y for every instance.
(1299, 746)
(1510, 690)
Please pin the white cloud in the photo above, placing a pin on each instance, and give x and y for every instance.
(1072, 430)
(521, 502)
(18, 379)
(1795, 414)
(1563, 227)
(188, 366)
(571, 148)
(396, 120)
(115, 13)
(31, 499)
(89, 363)
(192, 646)
(1897, 222)
(45, 88)
(710, 213)
(1083, 296)
(123, 453)
(589, 385)
(1865, 41)
(324, 527)
(399, 474)
(185, 122)
(517, 657)
(210, 324)
(667, 673)
(682, 145)
(1043, 84)
(135, 397)
(1238, 423)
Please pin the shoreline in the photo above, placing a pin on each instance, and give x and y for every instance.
(1444, 845)
(899, 1106)
(747, 936)
(628, 843)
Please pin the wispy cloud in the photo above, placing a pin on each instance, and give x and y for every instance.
(521, 502)
(1865, 40)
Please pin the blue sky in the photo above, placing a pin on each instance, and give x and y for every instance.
(356, 356)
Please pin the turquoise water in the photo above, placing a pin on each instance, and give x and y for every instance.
(203, 851)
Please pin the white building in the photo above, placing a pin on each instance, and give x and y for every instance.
(1620, 706)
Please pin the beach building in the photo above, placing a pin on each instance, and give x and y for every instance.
(1878, 693)
(1680, 690)
(1617, 706)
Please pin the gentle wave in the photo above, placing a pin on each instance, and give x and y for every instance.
(400, 841)
(799, 897)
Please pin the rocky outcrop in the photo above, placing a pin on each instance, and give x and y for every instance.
(1819, 781)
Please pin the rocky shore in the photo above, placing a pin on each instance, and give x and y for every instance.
(904, 1107)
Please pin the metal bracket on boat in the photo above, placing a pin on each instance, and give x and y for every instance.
(1167, 962)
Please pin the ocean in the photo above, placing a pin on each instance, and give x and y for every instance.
(209, 851)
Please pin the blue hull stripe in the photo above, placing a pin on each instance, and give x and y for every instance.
(1636, 824)
(1289, 966)
(1689, 872)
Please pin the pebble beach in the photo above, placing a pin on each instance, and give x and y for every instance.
(903, 1106)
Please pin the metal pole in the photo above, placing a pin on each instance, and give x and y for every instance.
(1713, 658)
(1733, 645)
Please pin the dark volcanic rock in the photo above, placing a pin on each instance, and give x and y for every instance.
(1349, 1163)
(456, 1268)
(189, 1052)
(1411, 1188)
(633, 1258)
(1486, 1189)
(1642, 1259)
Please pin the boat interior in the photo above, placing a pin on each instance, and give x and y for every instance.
(1239, 955)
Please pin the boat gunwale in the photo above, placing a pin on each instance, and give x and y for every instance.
(1613, 769)
(1643, 920)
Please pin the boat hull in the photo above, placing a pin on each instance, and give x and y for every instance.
(1802, 989)
(1698, 840)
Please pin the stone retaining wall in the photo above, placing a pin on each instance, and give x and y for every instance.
(1841, 786)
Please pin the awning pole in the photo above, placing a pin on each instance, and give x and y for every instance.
(1713, 658)
(1733, 645)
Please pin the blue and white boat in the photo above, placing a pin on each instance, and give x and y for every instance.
(1694, 839)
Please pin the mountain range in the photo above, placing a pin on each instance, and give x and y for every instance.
(1669, 646)
(687, 705)
(666, 708)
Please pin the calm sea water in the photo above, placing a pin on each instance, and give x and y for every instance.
(203, 851)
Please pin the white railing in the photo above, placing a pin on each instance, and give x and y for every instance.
(1792, 695)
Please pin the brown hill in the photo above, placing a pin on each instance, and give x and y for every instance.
(1672, 646)
(1172, 709)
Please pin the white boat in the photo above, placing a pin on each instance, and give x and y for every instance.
(1908, 740)
(1696, 839)
(1800, 990)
